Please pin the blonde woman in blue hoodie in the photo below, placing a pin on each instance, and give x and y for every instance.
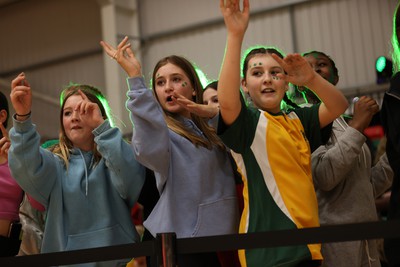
(88, 183)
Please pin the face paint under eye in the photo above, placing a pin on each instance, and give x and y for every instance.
(184, 84)
(276, 78)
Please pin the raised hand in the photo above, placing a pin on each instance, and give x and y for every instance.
(364, 109)
(297, 69)
(236, 21)
(4, 141)
(124, 55)
(201, 110)
(89, 112)
(21, 95)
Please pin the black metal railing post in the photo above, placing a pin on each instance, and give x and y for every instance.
(166, 250)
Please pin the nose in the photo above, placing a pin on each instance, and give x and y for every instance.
(75, 115)
(267, 78)
(168, 86)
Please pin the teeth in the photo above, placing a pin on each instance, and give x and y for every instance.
(267, 90)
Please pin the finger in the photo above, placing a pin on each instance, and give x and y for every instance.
(82, 94)
(15, 82)
(107, 48)
(222, 4)
(291, 58)
(4, 131)
(122, 43)
(279, 60)
(20, 92)
(6, 147)
(236, 5)
(4, 143)
(125, 47)
(363, 98)
(246, 6)
(84, 108)
(177, 95)
(120, 49)
(129, 52)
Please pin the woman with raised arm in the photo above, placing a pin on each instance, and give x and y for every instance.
(90, 180)
(271, 147)
(194, 175)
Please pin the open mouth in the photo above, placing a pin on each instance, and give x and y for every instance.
(267, 91)
(169, 99)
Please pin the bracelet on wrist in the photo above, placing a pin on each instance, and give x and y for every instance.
(24, 115)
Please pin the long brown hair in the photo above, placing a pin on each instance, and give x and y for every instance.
(177, 126)
(64, 147)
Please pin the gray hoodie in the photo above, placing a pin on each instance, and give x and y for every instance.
(347, 187)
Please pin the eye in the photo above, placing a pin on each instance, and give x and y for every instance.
(215, 100)
(160, 82)
(275, 72)
(67, 113)
(176, 79)
(205, 102)
(256, 73)
(322, 64)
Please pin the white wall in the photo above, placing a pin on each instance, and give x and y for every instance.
(57, 41)
(353, 32)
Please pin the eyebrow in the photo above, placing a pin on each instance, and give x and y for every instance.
(172, 74)
(261, 67)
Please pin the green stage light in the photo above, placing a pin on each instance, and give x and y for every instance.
(383, 67)
(380, 63)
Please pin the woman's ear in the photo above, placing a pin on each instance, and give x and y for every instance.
(244, 86)
(3, 116)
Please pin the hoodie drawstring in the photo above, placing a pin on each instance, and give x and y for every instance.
(86, 173)
(370, 260)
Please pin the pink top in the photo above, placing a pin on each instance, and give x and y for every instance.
(10, 195)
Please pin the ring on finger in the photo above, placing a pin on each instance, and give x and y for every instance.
(114, 56)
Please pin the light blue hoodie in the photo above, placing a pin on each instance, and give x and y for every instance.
(87, 205)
